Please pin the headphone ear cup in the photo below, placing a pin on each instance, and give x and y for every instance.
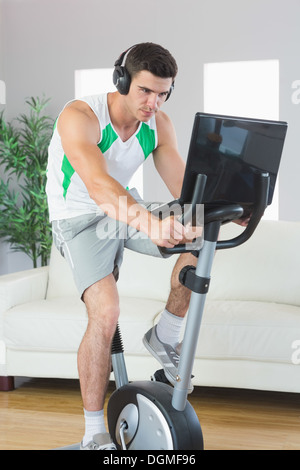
(121, 79)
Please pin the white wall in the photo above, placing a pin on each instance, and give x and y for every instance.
(46, 40)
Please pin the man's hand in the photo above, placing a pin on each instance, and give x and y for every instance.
(243, 221)
(170, 232)
(167, 232)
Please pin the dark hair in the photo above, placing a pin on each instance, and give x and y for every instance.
(153, 58)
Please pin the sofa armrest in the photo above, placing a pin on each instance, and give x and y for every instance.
(22, 287)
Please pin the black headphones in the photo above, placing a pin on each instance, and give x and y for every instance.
(121, 77)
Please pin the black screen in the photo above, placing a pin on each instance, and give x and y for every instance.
(230, 151)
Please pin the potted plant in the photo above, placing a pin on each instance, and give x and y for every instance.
(24, 219)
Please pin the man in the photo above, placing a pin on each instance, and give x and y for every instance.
(97, 145)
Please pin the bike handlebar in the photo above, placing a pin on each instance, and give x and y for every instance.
(262, 191)
(224, 214)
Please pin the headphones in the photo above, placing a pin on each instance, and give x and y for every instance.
(121, 77)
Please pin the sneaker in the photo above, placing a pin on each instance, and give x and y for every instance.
(99, 442)
(165, 354)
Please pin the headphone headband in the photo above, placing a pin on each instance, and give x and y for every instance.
(121, 61)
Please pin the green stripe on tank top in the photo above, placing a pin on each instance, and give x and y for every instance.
(108, 138)
(68, 172)
(146, 138)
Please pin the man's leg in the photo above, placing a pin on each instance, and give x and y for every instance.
(94, 354)
(169, 326)
(162, 339)
(179, 297)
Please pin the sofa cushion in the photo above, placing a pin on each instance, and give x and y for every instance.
(60, 282)
(257, 331)
(145, 276)
(58, 324)
(266, 268)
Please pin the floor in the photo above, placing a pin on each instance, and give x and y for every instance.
(44, 414)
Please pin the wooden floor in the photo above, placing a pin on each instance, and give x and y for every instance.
(47, 413)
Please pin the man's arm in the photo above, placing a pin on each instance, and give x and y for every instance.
(79, 131)
(171, 166)
(166, 157)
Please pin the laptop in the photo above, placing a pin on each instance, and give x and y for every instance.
(230, 151)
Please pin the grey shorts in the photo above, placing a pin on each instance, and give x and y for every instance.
(93, 245)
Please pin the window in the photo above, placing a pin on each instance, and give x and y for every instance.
(247, 89)
(93, 82)
(2, 92)
(97, 81)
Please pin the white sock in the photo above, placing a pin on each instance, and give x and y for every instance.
(168, 328)
(94, 424)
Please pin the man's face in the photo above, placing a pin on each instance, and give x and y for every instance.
(147, 93)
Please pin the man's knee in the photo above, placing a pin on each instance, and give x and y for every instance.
(102, 301)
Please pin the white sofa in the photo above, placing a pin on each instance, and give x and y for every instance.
(250, 335)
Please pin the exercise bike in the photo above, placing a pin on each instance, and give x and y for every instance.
(152, 414)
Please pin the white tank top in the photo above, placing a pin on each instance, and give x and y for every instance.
(67, 194)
